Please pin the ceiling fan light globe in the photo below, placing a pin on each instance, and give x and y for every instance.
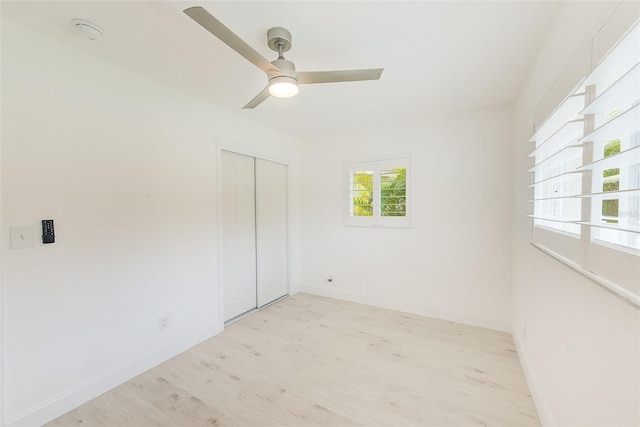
(283, 87)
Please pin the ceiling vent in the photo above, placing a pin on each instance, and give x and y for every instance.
(88, 29)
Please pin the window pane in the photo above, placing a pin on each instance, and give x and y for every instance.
(611, 182)
(393, 192)
(610, 211)
(620, 209)
(611, 177)
(362, 193)
(555, 197)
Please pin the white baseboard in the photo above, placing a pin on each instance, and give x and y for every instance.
(544, 410)
(496, 324)
(63, 403)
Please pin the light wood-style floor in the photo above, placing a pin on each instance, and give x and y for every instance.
(313, 361)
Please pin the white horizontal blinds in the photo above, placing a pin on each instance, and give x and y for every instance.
(586, 173)
(594, 134)
(615, 140)
(378, 193)
(557, 180)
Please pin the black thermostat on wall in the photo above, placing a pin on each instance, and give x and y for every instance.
(48, 235)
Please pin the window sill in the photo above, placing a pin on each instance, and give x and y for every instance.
(628, 297)
(401, 227)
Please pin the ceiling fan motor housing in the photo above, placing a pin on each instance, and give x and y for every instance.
(279, 35)
(286, 67)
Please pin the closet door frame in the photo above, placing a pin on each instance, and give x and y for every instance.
(226, 146)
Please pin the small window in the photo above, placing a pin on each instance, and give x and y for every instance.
(378, 193)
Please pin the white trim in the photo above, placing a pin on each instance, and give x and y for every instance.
(542, 406)
(51, 409)
(397, 227)
(478, 320)
(2, 346)
(238, 149)
(253, 310)
(615, 247)
(395, 156)
(628, 297)
(219, 230)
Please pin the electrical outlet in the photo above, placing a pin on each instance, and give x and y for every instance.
(163, 323)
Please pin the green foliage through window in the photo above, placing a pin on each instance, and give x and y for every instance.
(363, 193)
(611, 182)
(393, 192)
(377, 193)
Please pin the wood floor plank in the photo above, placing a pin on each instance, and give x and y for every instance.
(117, 407)
(314, 361)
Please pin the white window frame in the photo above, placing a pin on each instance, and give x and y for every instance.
(377, 220)
(569, 144)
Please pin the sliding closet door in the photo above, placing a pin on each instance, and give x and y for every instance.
(238, 234)
(271, 228)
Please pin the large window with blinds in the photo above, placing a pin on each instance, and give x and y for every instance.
(586, 173)
(378, 193)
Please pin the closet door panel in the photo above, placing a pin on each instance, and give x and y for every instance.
(238, 234)
(271, 229)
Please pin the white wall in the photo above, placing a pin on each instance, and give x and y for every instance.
(455, 263)
(127, 169)
(580, 345)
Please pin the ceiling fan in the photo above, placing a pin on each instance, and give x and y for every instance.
(283, 79)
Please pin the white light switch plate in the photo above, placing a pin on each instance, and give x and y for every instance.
(22, 237)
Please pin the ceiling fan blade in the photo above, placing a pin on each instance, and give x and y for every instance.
(258, 99)
(310, 77)
(219, 30)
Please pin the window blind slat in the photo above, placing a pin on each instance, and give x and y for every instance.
(611, 193)
(571, 131)
(564, 154)
(621, 159)
(556, 178)
(625, 228)
(565, 112)
(622, 93)
(542, 199)
(622, 125)
(556, 219)
(618, 61)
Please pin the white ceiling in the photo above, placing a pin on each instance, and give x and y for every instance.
(439, 57)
